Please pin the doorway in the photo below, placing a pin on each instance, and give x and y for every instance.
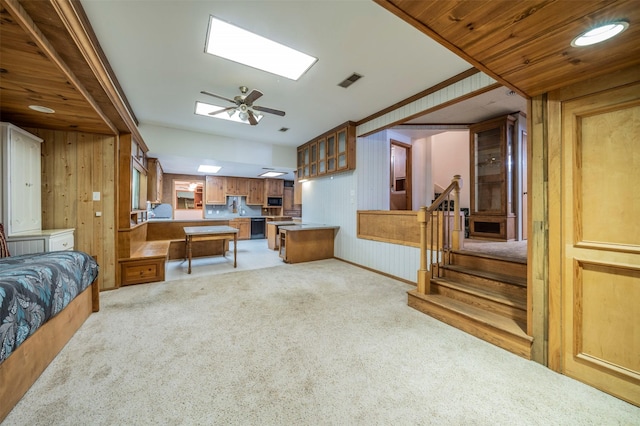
(400, 176)
(187, 199)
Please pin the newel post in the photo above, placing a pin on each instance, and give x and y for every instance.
(457, 232)
(423, 273)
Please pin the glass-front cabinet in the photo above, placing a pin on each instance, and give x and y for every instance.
(322, 156)
(492, 179)
(329, 153)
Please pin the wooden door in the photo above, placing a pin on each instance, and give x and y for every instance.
(597, 257)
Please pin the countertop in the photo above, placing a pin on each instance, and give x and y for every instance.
(282, 222)
(308, 227)
(217, 217)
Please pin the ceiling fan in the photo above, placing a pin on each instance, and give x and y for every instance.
(244, 105)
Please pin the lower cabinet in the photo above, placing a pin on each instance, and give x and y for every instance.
(41, 241)
(243, 225)
(138, 271)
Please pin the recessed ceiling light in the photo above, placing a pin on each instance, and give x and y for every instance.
(599, 34)
(230, 115)
(41, 108)
(204, 168)
(239, 45)
(272, 174)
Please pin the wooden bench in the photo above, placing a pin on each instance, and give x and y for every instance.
(146, 262)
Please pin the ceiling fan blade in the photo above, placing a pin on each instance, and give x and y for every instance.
(204, 92)
(269, 110)
(251, 97)
(252, 118)
(222, 110)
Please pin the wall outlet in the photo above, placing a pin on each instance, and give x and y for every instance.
(96, 196)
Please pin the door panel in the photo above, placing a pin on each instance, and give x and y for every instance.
(600, 261)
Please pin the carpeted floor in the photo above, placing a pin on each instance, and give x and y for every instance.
(321, 343)
(508, 249)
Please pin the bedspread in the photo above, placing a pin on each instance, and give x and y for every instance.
(35, 287)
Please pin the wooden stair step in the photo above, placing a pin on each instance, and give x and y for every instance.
(509, 279)
(505, 299)
(493, 328)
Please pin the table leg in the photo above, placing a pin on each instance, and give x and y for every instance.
(189, 253)
(235, 249)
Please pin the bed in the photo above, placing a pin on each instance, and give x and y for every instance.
(44, 299)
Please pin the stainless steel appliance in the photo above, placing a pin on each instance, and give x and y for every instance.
(274, 201)
(258, 225)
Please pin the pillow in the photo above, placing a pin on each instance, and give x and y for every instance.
(4, 249)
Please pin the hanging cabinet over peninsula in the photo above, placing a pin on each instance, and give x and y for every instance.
(331, 152)
(492, 179)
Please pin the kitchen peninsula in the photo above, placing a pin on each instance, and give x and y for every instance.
(306, 242)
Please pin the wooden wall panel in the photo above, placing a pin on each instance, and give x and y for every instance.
(74, 166)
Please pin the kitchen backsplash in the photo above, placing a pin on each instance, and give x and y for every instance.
(212, 211)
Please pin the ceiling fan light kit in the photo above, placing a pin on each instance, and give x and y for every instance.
(244, 109)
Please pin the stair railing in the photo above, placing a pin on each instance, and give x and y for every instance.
(435, 250)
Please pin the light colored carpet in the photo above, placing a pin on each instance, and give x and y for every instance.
(317, 343)
(510, 249)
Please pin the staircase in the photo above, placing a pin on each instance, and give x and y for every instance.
(483, 295)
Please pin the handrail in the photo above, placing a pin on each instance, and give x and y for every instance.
(435, 244)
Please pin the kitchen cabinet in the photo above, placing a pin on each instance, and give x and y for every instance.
(236, 186)
(256, 192)
(313, 159)
(214, 190)
(274, 187)
(305, 243)
(322, 156)
(492, 179)
(331, 152)
(154, 180)
(243, 225)
(20, 179)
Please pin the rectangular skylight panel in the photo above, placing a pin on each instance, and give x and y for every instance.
(205, 109)
(238, 45)
(205, 168)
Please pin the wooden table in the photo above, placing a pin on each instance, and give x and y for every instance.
(211, 233)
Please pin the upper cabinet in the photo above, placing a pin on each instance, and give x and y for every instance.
(236, 186)
(332, 152)
(214, 190)
(492, 179)
(256, 192)
(274, 187)
(154, 180)
(20, 178)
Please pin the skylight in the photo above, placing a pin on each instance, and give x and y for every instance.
(239, 45)
(205, 109)
(272, 174)
(205, 168)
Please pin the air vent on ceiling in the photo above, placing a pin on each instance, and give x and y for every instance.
(350, 80)
(284, 129)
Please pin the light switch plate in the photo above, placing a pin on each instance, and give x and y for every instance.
(96, 196)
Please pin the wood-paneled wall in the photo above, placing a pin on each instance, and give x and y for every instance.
(74, 166)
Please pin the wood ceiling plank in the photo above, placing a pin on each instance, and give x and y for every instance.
(526, 44)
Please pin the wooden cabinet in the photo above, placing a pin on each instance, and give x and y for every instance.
(154, 180)
(41, 241)
(274, 187)
(332, 152)
(492, 179)
(299, 243)
(236, 186)
(256, 192)
(20, 179)
(243, 225)
(214, 190)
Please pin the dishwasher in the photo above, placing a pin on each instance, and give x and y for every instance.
(258, 225)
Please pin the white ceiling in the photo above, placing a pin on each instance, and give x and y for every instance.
(156, 49)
